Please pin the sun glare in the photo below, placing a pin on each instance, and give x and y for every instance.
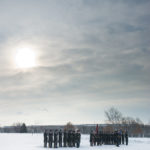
(25, 58)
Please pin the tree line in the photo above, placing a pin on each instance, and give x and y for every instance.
(114, 120)
(117, 120)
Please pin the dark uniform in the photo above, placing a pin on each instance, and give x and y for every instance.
(74, 138)
(116, 134)
(78, 138)
(50, 138)
(91, 138)
(104, 138)
(126, 137)
(55, 138)
(122, 137)
(120, 134)
(45, 138)
(69, 138)
(97, 138)
(60, 138)
(100, 138)
(65, 138)
(112, 138)
(94, 135)
(107, 138)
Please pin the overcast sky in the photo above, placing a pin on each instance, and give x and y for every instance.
(91, 54)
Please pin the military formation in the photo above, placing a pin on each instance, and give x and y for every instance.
(117, 138)
(72, 138)
(55, 139)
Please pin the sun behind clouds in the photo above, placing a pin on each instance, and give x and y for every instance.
(25, 58)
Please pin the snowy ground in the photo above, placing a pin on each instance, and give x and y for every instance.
(35, 142)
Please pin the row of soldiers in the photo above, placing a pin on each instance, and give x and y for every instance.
(58, 138)
(115, 138)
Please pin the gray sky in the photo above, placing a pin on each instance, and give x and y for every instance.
(90, 55)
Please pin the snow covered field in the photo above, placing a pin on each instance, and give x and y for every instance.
(35, 142)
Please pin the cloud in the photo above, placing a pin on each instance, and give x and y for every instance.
(89, 52)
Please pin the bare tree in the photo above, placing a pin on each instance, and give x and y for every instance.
(139, 121)
(69, 126)
(108, 129)
(128, 120)
(19, 127)
(113, 116)
(135, 126)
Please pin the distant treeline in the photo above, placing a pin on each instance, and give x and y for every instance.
(115, 120)
(134, 130)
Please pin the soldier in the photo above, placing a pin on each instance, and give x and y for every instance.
(126, 137)
(97, 138)
(74, 140)
(78, 138)
(65, 138)
(91, 138)
(94, 141)
(45, 138)
(60, 138)
(50, 138)
(122, 137)
(55, 138)
(69, 138)
(116, 134)
(111, 138)
(102, 137)
(107, 136)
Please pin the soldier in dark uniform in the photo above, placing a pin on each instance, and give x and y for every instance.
(97, 139)
(126, 137)
(60, 138)
(65, 138)
(117, 138)
(94, 135)
(78, 138)
(100, 137)
(112, 138)
(116, 134)
(122, 137)
(104, 138)
(45, 138)
(50, 138)
(55, 138)
(91, 138)
(107, 138)
(69, 138)
(74, 138)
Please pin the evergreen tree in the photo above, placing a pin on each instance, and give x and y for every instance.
(23, 128)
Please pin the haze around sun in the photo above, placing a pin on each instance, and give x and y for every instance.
(25, 58)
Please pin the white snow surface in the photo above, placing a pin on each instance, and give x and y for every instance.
(35, 142)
